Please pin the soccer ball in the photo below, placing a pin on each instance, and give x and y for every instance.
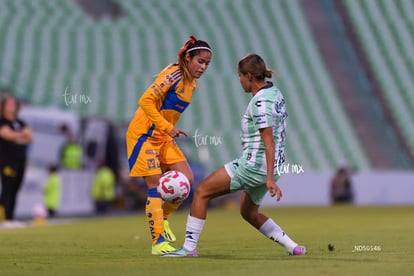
(173, 187)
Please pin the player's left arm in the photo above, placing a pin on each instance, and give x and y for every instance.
(262, 118)
(267, 136)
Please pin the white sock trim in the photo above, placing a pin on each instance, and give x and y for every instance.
(269, 228)
(273, 231)
(192, 232)
(195, 221)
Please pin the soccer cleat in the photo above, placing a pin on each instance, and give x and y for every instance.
(162, 248)
(168, 234)
(181, 252)
(299, 250)
(11, 224)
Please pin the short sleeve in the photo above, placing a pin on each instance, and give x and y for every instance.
(262, 113)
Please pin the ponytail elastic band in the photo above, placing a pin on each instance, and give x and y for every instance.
(186, 45)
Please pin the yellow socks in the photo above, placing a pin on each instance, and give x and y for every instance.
(155, 217)
(156, 211)
(169, 208)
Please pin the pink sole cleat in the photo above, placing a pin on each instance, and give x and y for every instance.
(299, 250)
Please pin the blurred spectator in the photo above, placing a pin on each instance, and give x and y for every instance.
(71, 153)
(52, 191)
(103, 188)
(135, 193)
(15, 136)
(341, 187)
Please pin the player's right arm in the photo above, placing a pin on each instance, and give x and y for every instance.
(148, 105)
(150, 100)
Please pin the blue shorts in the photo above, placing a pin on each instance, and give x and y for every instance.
(245, 179)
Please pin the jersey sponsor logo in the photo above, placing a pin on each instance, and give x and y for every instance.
(260, 115)
(152, 163)
(151, 152)
(179, 107)
(170, 78)
(261, 118)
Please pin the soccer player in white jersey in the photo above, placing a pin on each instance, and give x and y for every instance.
(263, 137)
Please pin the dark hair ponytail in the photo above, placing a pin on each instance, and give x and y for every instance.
(255, 65)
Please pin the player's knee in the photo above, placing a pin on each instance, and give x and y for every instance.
(198, 192)
(201, 193)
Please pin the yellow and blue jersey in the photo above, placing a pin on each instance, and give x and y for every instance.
(160, 108)
(161, 105)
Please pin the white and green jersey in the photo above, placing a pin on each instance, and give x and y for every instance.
(265, 109)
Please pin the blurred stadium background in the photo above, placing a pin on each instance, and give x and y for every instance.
(346, 68)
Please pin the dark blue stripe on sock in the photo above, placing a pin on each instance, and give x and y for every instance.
(160, 239)
(153, 193)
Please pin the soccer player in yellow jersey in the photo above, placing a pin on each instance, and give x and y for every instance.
(150, 146)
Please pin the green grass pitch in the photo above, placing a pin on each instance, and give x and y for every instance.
(366, 240)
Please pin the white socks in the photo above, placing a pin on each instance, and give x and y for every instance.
(270, 229)
(273, 231)
(192, 232)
